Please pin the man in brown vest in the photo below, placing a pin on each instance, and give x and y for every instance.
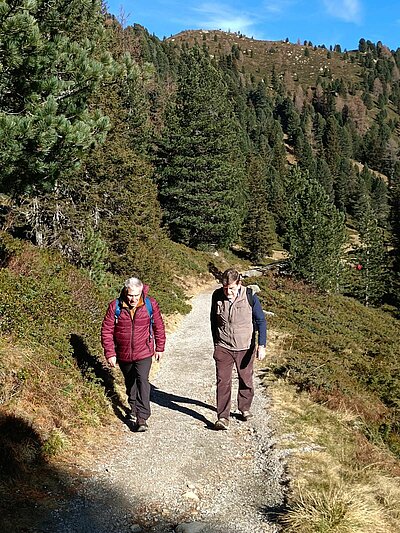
(236, 315)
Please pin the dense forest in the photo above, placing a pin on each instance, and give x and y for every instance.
(124, 153)
(114, 143)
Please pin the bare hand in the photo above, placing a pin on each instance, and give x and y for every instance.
(261, 353)
(157, 356)
(112, 361)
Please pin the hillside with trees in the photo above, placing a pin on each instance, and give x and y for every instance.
(121, 155)
(199, 132)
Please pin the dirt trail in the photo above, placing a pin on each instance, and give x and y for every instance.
(182, 475)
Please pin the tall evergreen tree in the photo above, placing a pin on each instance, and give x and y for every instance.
(395, 211)
(372, 256)
(316, 233)
(332, 147)
(259, 228)
(106, 216)
(318, 132)
(200, 167)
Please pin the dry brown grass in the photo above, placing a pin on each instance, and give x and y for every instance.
(341, 482)
(335, 509)
(260, 57)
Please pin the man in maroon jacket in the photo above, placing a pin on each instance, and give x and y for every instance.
(131, 334)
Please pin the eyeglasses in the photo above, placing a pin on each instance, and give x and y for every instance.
(133, 295)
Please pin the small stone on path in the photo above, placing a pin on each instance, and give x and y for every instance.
(190, 527)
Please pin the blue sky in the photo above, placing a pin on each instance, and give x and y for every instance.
(326, 22)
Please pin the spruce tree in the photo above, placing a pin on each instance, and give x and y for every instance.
(373, 283)
(324, 176)
(332, 148)
(316, 233)
(259, 228)
(199, 164)
(106, 215)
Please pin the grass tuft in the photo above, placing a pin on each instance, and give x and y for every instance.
(55, 443)
(335, 509)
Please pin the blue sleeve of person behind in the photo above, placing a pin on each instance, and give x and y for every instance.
(259, 321)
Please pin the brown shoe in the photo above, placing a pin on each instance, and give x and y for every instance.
(246, 415)
(141, 425)
(222, 423)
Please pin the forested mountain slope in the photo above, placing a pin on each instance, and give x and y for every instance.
(122, 155)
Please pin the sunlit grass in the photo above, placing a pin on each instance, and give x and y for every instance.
(332, 488)
(335, 509)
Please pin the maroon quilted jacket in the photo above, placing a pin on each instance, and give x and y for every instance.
(129, 339)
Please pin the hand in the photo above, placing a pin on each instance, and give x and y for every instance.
(112, 361)
(261, 353)
(157, 356)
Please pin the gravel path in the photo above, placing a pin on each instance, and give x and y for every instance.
(182, 475)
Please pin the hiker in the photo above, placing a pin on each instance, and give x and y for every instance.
(131, 334)
(236, 315)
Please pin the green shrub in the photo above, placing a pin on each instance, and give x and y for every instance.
(339, 351)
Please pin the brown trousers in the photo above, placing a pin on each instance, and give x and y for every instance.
(225, 359)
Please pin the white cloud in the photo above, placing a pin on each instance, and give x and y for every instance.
(221, 16)
(277, 7)
(347, 10)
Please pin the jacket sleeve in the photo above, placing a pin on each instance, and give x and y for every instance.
(259, 321)
(213, 317)
(158, 327)
(107, 332)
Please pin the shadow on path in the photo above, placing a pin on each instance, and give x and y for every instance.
(172, 401)
(215, 271)
(92, 369)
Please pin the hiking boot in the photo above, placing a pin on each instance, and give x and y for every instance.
(222, 423)
(130, 417)
(141, 425)
(246, 415)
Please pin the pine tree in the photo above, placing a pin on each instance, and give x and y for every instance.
(52, 61)
(332, 147)
(303, 151)
(200, 167)
(107, 214)
(324, 176)
(316, 233)
(318, 133)
(94, 254)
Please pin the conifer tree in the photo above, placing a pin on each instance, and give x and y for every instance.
(52, 61)
(373, 280)
(259, 229)
(318, 132)
(94, 254)
(106, 216)
(324, 176)
(316, 233)
(332, 147)
(200, 167)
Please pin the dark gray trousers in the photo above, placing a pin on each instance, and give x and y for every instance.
(136, 375)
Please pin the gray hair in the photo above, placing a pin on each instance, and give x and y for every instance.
(133, 282)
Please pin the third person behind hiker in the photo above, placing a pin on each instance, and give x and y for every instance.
(131, 334)
(236, 315)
